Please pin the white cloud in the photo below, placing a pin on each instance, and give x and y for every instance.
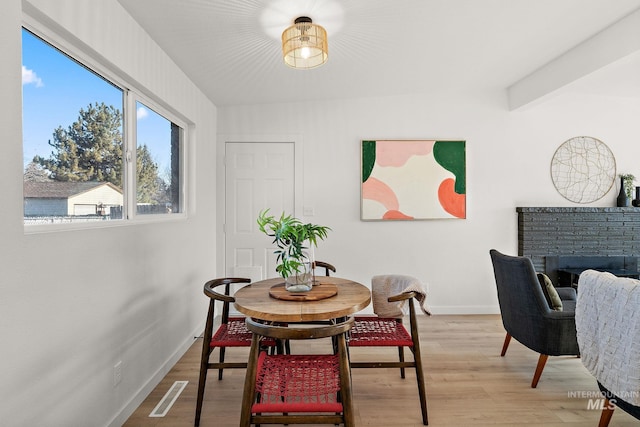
(30, 77)
(141, 113)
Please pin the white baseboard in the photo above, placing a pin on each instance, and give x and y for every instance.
(464, 309)
(121, 417)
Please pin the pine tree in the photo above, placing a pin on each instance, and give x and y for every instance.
(90, 149)
(147, 176)
(33, 172)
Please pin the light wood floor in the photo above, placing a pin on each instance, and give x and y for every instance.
(468, 384)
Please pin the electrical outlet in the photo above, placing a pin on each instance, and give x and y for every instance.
(117, 373)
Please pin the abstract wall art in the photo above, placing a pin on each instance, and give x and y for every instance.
(413, 179)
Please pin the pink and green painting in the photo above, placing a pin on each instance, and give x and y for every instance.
(413, 179)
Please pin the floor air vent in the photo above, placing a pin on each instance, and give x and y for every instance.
(162, 408)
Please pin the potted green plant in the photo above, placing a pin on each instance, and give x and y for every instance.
(626, 189)
(293, 239)
(628, 180)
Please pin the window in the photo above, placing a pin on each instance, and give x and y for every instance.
(157, 162)
(80, 162)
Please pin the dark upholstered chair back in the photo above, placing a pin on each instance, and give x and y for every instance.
(526, 315)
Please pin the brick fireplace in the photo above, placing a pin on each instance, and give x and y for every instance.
(589, 232)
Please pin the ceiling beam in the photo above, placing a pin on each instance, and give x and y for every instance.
(606, 47)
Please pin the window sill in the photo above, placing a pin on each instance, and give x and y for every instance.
(139, 220)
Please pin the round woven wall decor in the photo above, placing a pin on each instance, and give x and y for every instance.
(583, 169)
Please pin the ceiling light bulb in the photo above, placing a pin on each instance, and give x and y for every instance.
(305, 52)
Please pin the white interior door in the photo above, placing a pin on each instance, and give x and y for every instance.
(257, 176)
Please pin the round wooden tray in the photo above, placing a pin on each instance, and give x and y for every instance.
(317, 292)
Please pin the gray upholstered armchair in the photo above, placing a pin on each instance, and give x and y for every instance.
(526, 314)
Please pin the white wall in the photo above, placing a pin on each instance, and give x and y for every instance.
(68, 315)
(508, 165)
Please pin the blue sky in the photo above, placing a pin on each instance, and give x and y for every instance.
(55, 88)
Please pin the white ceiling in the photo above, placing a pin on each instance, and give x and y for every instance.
(231, 48)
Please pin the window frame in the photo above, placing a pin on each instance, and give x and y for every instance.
(131, 94)
(132, 98)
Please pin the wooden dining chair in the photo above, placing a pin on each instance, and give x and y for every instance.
(387, 330)
(232, 332)
(328, 268)
(301, 388)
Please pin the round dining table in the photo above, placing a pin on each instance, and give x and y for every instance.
(257, 300)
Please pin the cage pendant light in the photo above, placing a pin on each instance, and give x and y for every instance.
(304, 44)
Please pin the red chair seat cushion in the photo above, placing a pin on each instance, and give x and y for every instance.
(378, 331)
(297, 383)
(235, 334)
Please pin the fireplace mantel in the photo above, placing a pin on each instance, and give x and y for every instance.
(577, 209)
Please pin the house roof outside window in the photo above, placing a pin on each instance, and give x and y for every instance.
(62, 189)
